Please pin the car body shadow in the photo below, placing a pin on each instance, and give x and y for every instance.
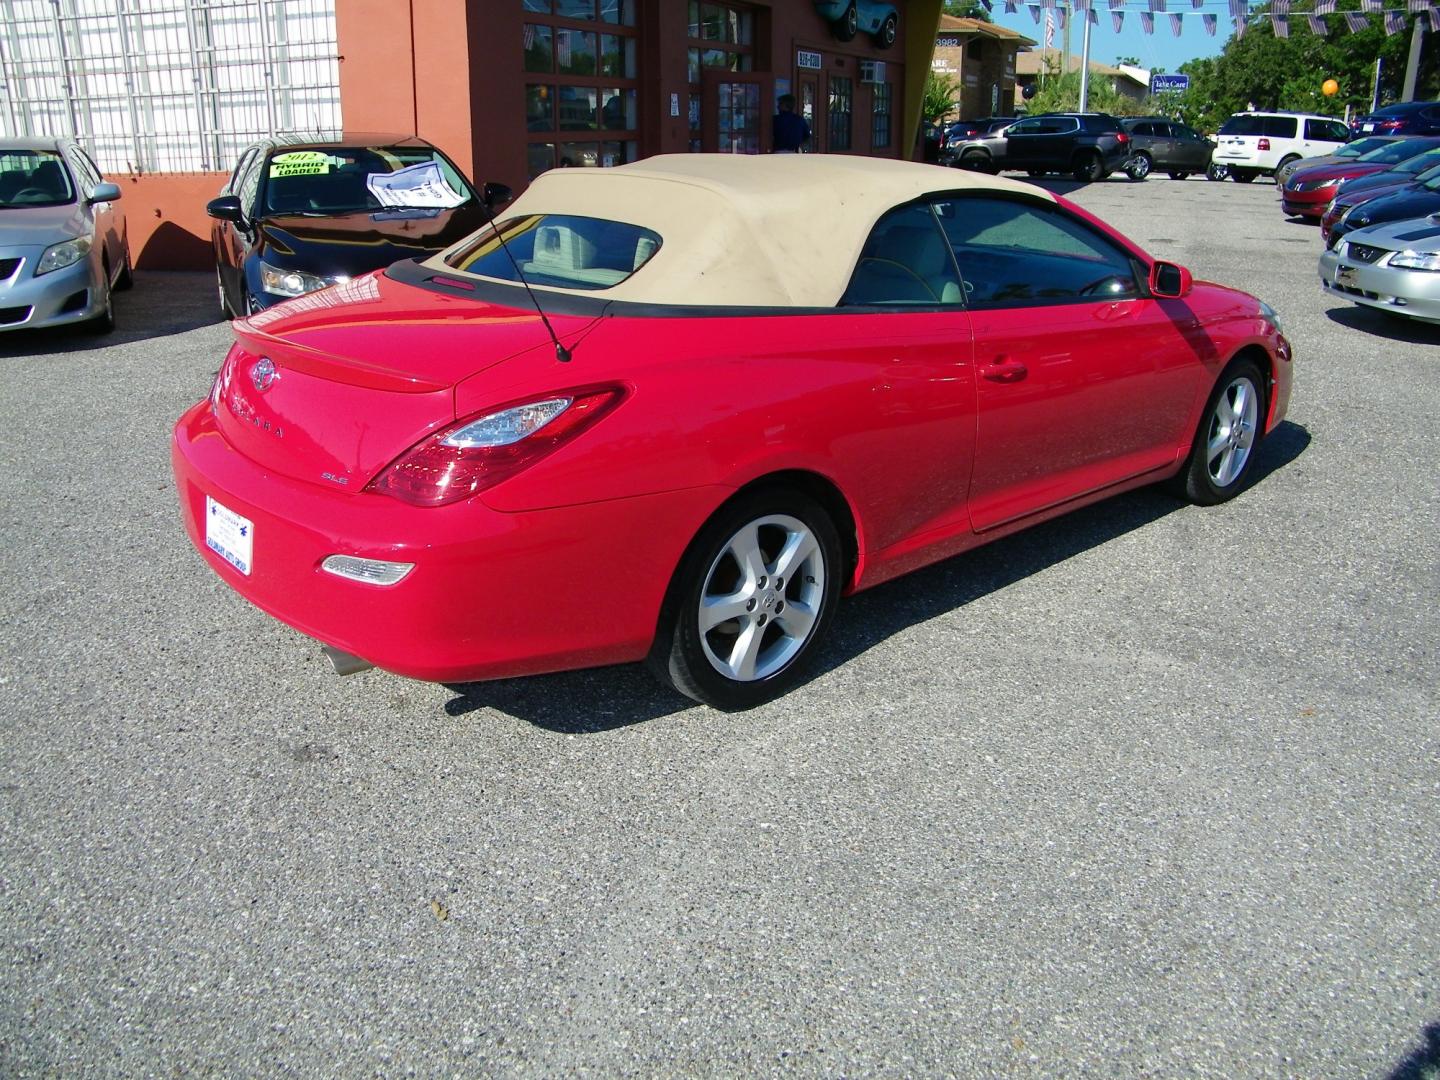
(162, 303)
(1422, 1063)
(604, 699)
(1394, 327)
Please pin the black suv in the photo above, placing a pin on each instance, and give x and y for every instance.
(1089, 146)
(1157, 142)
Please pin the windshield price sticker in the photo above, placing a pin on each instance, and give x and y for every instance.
(421, 185)
(299, 163)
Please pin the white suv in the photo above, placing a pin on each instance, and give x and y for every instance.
(1254, 143)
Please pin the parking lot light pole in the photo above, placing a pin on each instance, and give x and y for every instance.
(1085, 62)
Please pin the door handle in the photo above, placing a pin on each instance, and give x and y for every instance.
(1004, 370)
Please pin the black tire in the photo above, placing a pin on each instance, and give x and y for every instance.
(1179, 176)
(1139, 166)
(126, 278)
(688, 658)
(977, 161)
(1284, 162)
(1088, 168)
(848, 25)
(1243, 176)
(1216, 171)
(886, 35)
(1207, 478)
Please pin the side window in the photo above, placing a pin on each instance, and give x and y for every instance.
(1183, 132)
(905, 261)
(1280, 127)
(250, 182)
(1024, 127)
(1148, 128)
(1319, 129)
(85, 177)
(232, 186)
(1020, 254)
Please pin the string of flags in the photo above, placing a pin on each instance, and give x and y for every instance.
(1392, 19)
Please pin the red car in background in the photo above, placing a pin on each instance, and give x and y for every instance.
(758, 383)
(1308, 190)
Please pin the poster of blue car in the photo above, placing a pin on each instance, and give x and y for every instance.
(847, 18)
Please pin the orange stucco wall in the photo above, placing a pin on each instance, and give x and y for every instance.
(166, 221)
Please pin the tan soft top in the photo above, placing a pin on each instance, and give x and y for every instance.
(777, 230)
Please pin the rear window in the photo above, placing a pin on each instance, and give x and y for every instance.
(1242, 124)
(558, 250)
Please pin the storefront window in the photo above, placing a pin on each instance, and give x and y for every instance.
(880, 124)
(722, 38)
(591, 93)
(841, 95)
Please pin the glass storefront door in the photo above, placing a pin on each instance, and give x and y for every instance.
(736, 111)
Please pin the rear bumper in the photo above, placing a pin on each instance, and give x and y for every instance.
(492, 595)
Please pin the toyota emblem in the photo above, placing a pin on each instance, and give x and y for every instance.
(263, 374)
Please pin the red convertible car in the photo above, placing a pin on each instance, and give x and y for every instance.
(690, 402)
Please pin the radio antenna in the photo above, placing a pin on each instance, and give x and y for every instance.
(494, 193)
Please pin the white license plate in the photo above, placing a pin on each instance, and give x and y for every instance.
(1367, 128)
(229, 535)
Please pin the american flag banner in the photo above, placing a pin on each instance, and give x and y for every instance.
(1011, 7)
(1176, 22)
(1317, 25)
(1435, 20)
(1094, 18)
(1279, 7)
(1280, 24)
(1324, 7)
(1049, 30)
(1419, 7)
(1197, 4)
(1117, 5)
(1147, 22)
(988, 5)
(1356, 21)
(1157, 5)
(1060, 15)
(1210, 23)
(1394, 22)
(1239, 9)
(1117, 20)
(1372, 5)
(1034, 11)
(562, 48)
(1082, 5)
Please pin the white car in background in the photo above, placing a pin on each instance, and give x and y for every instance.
(63, 245)
(1252, 144)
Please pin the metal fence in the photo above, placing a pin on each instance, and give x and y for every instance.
(168, 85)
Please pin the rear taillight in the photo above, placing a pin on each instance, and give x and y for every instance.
(478, 453)
(1392, 124)
(1121, 138)
(1263, 144)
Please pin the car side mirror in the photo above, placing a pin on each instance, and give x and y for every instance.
(104, 192)
(493, 194)
(1169, 281)
(226, 208)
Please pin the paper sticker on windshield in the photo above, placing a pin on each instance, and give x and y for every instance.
(299, 163)
(421, 185)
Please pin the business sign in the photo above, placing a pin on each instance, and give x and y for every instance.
(1169, 84)
(809, 61)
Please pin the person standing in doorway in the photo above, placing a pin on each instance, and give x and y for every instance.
(791, 130)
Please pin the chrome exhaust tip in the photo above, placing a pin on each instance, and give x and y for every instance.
(345, 663)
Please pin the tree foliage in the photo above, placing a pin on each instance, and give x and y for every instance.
(1262, 71)
(967, 9)
(942, 93)
(1061, 93)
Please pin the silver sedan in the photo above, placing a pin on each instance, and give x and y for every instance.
(1394, 267)
(63, 245)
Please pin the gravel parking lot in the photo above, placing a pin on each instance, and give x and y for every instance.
(1151, 790)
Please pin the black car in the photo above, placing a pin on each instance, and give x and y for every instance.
(1406, 118)
(1089, 146)
(296, 216)
(1412, 201)
(1158, 142)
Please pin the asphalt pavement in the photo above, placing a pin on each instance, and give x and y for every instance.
(1151, 790)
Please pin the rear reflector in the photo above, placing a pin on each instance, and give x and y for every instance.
(370, 571)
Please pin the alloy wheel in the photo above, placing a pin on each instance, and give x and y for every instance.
(1232, 432)
(762, 598)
